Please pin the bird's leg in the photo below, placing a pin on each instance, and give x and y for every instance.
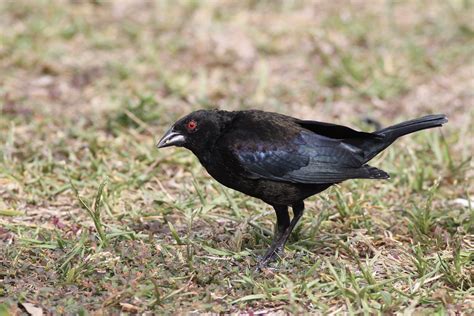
(298, 210)
(281, 237)
(283, 222)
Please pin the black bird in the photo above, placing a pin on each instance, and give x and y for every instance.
(283, 160)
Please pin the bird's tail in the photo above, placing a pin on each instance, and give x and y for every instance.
(389, 134)
(398, 130)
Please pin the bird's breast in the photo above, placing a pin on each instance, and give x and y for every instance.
(232, 176)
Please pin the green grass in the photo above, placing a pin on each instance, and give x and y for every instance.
(93, 218)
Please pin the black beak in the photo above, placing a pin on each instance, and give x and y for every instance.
(171, 138)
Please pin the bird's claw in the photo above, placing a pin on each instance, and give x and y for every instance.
(270, 255)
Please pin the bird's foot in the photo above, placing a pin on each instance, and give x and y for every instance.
(271, 254)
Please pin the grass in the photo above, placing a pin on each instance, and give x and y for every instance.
(94, 219)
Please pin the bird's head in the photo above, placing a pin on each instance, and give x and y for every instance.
(196, 131)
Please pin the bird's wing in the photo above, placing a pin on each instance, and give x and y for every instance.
(335, 131)
(304, 157)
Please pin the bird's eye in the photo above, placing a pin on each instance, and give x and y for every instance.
(191, 126)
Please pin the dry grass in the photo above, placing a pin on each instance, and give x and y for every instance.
(94, 219)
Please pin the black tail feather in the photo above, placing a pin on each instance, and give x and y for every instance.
(395, 131)
(389, 134)
(375, 173)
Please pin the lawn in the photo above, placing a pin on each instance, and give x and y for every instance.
(94, 219)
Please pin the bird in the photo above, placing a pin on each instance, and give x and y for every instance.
(283, 160)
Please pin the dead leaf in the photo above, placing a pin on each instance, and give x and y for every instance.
(126, 307)
(443, 296)
(32, 309)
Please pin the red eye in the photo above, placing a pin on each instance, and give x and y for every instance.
(191, 126)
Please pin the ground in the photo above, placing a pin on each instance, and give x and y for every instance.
(95, 219)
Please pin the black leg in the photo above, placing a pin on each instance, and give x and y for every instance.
(282, 233)
(298, 210)
(283, 222)
(283, 219)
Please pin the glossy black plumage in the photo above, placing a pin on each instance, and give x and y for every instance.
(283, 160)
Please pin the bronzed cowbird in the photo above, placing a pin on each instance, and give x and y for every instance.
(283, 160)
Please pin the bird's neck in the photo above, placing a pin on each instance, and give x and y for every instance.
(204, 156)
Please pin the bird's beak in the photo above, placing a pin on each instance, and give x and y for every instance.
(171, 138)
